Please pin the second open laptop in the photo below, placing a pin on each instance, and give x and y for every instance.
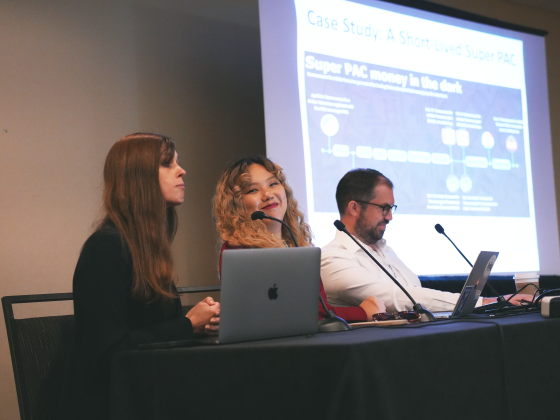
(269, 293)
(473, 286)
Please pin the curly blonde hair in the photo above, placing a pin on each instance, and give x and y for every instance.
(233, 222)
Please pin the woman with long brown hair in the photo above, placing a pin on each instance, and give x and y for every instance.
(124, 282)
(255, 183)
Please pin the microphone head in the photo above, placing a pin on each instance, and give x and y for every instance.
(257, 215)
(339, 225)
(439, 228)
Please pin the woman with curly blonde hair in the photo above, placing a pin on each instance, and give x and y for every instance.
(255, 183)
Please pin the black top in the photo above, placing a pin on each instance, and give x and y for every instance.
(107, 320)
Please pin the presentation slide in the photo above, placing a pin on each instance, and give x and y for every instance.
(463, 144)
(438, 105)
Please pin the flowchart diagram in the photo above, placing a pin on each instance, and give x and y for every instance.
(459, 152)
(457, 179)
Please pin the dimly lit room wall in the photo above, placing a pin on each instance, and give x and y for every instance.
(75, 76)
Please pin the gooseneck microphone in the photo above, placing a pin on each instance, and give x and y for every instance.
(425, 315)
(440, 230)
(259, 215)
(331, 323)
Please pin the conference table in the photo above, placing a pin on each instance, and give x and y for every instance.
(483, 368)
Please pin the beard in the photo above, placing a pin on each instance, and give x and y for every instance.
(369, 234)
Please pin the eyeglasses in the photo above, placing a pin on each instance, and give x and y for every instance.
(385, 208)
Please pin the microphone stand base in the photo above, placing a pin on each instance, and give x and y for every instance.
(425, 318)
(333, 324)
(425, 315)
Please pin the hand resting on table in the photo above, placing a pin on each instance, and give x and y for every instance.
(205, 316)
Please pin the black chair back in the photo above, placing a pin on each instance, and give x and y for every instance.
(40, 349)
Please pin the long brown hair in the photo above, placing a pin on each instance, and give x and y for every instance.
(234, 224)
(134, 203)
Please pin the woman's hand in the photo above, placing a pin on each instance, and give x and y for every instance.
(214, 326)
(205, 316)
(372, 306)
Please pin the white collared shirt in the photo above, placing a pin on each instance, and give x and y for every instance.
(350, 276)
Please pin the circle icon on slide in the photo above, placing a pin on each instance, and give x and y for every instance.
(511, 144)
(452, 183)
(466, 183)
(329, 125)
(487, 140)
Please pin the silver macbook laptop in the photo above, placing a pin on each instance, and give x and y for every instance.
(269, 293)
(473, 286)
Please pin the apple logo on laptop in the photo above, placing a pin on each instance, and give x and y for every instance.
(273, 292)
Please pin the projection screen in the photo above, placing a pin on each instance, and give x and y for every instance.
(453, 111)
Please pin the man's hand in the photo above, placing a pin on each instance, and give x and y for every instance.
(516, 300)
(519, 300)
(372, 306)
(205, 316)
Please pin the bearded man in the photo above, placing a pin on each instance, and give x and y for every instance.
(366, 204)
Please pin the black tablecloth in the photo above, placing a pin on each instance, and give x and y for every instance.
(531, 351)
(493, 368)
